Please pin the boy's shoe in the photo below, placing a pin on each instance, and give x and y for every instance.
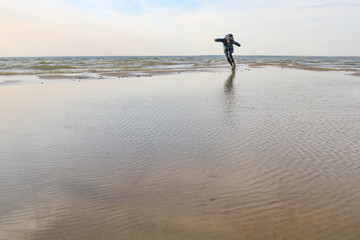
(233, 66)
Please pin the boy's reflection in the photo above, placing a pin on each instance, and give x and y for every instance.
(228, 96)
(228, 86)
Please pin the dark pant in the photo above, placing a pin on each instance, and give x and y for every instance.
(230, 58)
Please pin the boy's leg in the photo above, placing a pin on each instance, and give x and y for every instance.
(231, 60)
(228, 57)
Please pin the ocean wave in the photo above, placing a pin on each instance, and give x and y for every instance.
(63, 65)
(10, 73)
(47, 67)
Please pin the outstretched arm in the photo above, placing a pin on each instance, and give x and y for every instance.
(219, 39)
(236, 43)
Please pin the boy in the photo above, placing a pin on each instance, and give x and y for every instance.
(228, 42)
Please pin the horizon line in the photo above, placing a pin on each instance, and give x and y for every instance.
(186, 55)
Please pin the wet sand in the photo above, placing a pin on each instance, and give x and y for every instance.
(268, 153)
(353, 72)
(121, 74)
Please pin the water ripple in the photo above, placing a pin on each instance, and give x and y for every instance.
(256, 158)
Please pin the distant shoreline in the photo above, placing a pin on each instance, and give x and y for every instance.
(200, 55)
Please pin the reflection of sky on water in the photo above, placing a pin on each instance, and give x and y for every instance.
(235, 150)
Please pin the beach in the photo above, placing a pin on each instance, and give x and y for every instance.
(265, 152)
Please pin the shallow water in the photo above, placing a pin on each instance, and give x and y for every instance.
(262, 154)
(33, 70)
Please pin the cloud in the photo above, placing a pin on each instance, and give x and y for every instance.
(144, 27)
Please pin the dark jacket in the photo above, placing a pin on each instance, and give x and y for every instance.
(227, 47)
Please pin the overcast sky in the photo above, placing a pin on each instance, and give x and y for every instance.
(175, 27)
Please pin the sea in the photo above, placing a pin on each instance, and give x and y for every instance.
(25, 70)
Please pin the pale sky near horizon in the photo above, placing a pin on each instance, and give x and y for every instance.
(178, 27)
